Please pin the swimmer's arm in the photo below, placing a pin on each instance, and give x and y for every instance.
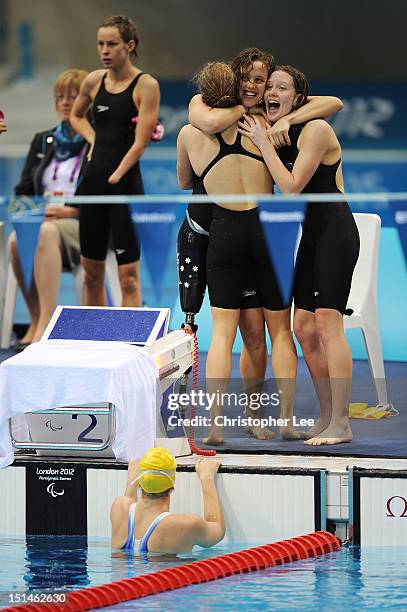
(212, 120)
(133, 471)
(184, 168)
(79, 121)
(211, 529)
(314, 144)
(148, 107)
(119, 520)
(317, 107)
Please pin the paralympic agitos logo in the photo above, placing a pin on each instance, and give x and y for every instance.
(399, 507)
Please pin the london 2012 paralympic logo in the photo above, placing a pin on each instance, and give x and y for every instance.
(401, 512)
(52, 492)
(49, 425)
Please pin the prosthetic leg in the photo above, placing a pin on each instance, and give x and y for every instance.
(192, 246)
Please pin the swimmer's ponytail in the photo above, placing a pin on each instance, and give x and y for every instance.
(217, 84)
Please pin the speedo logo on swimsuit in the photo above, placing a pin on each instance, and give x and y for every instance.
(120, 251)
(100, 108)
(248, 293)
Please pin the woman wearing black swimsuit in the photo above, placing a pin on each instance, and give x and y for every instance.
(122, 95)
(328, 251)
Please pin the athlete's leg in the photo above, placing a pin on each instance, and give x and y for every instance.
(47, 274)
(93, 284)
(284, 363)
(329, 323)
(306, 332)
(129, 277)
(253, 363)
(127, 248)
(219, 364)
(29, 294)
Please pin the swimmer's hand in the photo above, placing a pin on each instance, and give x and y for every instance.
(254, 129)
(207, 468)
(114, 178)
(278, 133)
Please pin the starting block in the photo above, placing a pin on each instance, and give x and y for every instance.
(88, 430)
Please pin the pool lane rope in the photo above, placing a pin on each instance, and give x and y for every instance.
(252, 559)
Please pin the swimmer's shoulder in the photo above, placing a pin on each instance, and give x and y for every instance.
(119, 519)
(188, 134)
(92, 82)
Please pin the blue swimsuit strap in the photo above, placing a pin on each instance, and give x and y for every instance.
(143, 548)
(129, 543)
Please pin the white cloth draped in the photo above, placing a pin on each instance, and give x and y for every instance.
(57, 373)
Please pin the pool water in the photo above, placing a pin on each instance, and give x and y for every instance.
(352, 579)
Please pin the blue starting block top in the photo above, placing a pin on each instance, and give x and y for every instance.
(141, 326)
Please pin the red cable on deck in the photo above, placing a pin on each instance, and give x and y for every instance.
(252, 559)
(191, 431)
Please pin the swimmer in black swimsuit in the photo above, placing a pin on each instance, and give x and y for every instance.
(213, 165)
(121, 93)
(328, 250)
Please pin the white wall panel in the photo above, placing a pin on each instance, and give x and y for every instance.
(12, 515)
(377, 527)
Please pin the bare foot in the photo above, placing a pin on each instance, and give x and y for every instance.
(261, 433)
(289, 433)
(335, 434)
(215, 438)
(319, 426)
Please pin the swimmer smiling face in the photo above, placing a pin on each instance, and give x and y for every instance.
(252, 67)
(287, 89)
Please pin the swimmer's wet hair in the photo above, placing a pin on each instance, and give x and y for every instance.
(244, 61)
(127, 30)
(217, 85)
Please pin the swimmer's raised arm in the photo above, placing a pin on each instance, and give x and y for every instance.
(211, 529)
(120, 507)
(212, 120)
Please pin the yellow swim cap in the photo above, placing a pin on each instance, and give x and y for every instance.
(157, 471)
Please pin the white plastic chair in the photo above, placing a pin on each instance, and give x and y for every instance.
(9, 292)
(3, 267)
(363, 300)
